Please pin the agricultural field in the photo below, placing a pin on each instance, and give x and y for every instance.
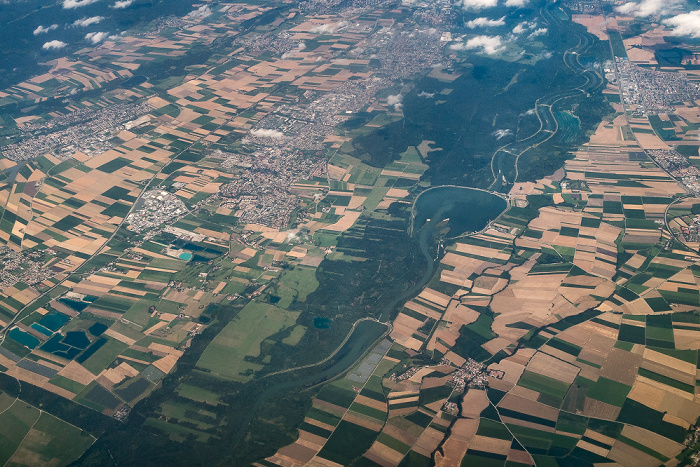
(206, 239)
(581, 303)
(99, 312)
(32, 436)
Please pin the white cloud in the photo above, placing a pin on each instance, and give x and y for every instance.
(488, 44)
(327, 28)
(263, 133)
(516, 3)
(300, 46)
(478, 4)
(648, 7)
(686, 24)
(395, 100)
(201, 12)
(122, 4)
(502, 133)
(42, 29)
(53, 45)
(427, 95)
(524, 26)
(84, 22)
(538, 32)
(529, 112)
(96, 37)
(77, 3)
(486, 23)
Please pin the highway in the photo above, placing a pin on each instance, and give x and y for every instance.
(504, 162)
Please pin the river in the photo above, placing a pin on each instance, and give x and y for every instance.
(468, 209)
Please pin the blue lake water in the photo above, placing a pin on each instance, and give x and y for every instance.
(54, 320)
(54, 345)
(322, 323)
(468, 209)
(97, 329)
(41, 329)
(23, 338)
(92, 349)
(77, 305)
(76, 339)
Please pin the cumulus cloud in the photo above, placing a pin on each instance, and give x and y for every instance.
(84, 22)
(96, 37)
(68, 4)
(499, 134)
(291, 53)
(524, 26)
(529, 112)
(396, 101)
(122, 4)
(538, 32)
(53, 45)
(427, 95)
(327, 28)
(478, 4)
(488, 44)
(486, 23)
(201, 12)
(516, 3)
(42, 29)
(647, 7)
(264, 133)
(686, 24)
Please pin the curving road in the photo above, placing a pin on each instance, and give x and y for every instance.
(592, 80)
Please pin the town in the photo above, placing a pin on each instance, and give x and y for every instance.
(156, 207)
(652, 91)
(678, 167)
(87, 131)
(260, 191)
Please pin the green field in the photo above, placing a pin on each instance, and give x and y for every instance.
(242, 337)
(369, 411)
(295, 336)
(189, 414)
(321, 416)
(667, 381)
(15, 423)
(104, 356)
(609, 391)
(177, 432)
(296, 284)
(472, 459)
(551, 391)
(197, 394)
(393, 443)
(572, 423)
(67, 384)
(492, 429)
(348, 442)
(51, 442)
(5, 401)
(338, 396)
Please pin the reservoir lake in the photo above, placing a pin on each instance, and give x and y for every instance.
(468, 209)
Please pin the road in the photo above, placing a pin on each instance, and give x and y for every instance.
(510, 153)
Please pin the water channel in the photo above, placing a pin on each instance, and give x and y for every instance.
(468, 210)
